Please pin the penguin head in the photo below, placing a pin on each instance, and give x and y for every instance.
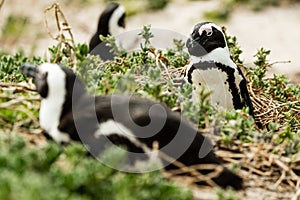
(112, 20)
(50, 79)
(204, 38)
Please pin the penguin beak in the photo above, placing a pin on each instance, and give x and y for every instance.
(194, 48)
(39, 79)
(29, 70)
(190, 43)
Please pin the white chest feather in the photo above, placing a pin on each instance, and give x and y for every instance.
(220, 55)
(112, 127)
(214, 81)
(52, 105)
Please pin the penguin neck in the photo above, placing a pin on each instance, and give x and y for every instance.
(108, 29)
(113, 27)
(219, 55)
(60, 102)
(103, 28)
(51, 109)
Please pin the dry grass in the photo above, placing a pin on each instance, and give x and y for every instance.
(268, 110)
(262, 165)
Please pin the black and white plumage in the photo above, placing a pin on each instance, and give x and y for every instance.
(68, 113)
(211, 66)
(111, 22)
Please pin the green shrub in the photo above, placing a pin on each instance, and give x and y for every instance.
(66, 173)
(10, 66)
(53, 172)
(157, 4)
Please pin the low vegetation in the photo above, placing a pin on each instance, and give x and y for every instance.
(264, 149)
(53, 172)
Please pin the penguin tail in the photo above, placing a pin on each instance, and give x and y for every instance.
(228, 179)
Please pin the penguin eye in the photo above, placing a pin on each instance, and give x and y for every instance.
(206, 31)
(209, 33)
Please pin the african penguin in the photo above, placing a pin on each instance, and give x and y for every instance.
(111, 22)
(212, 67)
(68, 114)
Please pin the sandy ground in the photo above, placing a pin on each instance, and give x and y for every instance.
(276, 28)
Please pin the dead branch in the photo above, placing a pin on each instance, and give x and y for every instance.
(297, 195)
(17, 86)
(17, 101)
(1, 3)
(64, 34)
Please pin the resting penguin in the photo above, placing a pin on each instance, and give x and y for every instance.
(68, 114)
(111, 22)
(211, 66)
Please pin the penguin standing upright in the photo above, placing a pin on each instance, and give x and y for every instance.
(111, 22)
(68, 113)
(211, 67)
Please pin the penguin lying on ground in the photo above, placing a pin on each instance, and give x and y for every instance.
(111, 22)
(211, 66)
(68, 113)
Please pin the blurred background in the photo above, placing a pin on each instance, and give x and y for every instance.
(272, 24)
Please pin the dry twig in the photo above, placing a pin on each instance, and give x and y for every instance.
(18, 87)
(1, 3)
(267, 110)
(192, 170)
(63, 28)
(297, 195)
